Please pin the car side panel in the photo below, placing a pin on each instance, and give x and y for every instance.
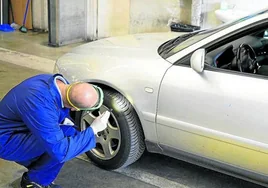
(133, 78)
(216, 115)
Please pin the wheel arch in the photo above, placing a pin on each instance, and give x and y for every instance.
(107, 85)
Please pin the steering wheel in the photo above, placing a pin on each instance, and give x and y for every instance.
(245, 59)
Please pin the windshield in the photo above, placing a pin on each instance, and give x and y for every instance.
(173, 46)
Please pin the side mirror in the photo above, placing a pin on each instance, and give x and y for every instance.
(198, 60)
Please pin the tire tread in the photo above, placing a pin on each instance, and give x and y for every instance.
(137, 146)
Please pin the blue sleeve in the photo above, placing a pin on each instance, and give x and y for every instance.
(41, 117)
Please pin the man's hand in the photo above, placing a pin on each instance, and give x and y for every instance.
(100, 123)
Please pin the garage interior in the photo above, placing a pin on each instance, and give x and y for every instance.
(88, 20)
(57, 26)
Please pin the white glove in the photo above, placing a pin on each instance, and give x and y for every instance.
(67, 121)
(100, 123)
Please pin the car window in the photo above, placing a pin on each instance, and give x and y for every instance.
(265, 35)
(201, 35)
(246, 54)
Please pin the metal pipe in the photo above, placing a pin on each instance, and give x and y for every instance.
(1, 10)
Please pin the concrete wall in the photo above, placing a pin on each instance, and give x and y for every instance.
(67, 21)
(209, 19)
(186, 11)
(113, 17)
(152, 15)
(121, 17)
(250, 5)
(209, 6)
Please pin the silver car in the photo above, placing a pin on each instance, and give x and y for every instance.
(200, 97)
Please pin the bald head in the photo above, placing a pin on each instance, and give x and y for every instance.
(83, 95)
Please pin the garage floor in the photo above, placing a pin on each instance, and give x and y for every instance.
(74, 174)
(33, 43)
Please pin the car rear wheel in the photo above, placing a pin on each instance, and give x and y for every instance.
(122, 143)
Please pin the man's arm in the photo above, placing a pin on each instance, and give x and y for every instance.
(41, 117)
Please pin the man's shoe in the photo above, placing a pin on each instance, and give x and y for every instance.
(26, 183)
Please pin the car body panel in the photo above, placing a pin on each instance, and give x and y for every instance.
(128, 46)
(210, 164)
(109, 65)
(217, 115)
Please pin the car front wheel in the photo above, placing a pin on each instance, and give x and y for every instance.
(122, 142)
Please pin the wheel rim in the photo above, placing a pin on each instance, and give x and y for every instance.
(108, 141)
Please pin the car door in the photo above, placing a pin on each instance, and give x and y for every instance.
(217, 114)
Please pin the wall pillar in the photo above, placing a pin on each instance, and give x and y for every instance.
(196, 16)
(67, 21)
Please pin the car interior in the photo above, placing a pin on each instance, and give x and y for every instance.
(247, 54)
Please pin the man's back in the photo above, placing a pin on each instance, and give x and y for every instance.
(25, 94)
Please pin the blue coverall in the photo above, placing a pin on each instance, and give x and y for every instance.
(31, 133)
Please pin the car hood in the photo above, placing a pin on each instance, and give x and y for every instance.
(131, 46)
(116, 54)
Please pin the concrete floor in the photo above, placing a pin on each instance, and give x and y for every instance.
(33, 43)
(30, 50)
(11, 75)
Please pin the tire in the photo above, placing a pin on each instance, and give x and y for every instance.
(122, 143)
